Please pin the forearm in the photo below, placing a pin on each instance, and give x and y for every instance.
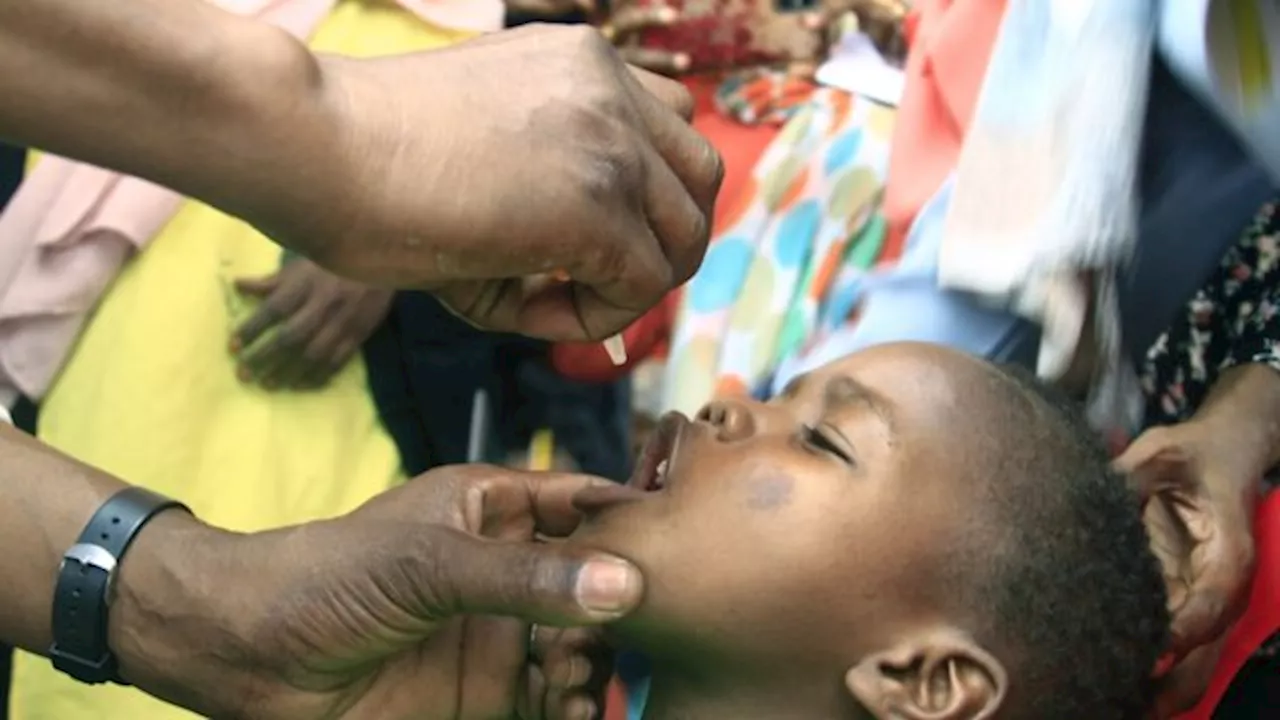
(48, 500)
(168, 626)
(214, 105)
(1244, 405)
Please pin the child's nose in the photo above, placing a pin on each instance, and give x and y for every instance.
(732, 419)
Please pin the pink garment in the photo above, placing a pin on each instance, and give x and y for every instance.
(70, 227)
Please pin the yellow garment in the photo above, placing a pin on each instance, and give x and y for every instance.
(151, 393)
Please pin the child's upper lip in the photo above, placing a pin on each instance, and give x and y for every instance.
(660, 449)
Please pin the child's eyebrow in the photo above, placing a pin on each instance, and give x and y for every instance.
(843, 391)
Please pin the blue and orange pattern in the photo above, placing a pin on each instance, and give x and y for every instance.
(794, 250)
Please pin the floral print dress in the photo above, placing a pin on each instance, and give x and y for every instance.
(1232, 320)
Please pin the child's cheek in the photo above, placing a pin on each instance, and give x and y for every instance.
(770, 491)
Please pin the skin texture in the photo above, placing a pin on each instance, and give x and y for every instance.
(357, 617)
(1201, 479)
(335, 159)
(408, 171)
(804, 497)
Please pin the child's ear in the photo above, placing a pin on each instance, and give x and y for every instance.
(936, 676)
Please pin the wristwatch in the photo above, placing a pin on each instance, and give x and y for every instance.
(84, 590)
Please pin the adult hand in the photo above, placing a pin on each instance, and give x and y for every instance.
(1201, 492)
(390, 612)
(570, 676)
(309, 325)
(515, 155)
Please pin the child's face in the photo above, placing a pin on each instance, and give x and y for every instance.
(802, 533)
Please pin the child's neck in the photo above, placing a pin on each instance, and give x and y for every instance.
(676, 697)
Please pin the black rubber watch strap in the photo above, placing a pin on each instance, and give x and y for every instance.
(82, 595)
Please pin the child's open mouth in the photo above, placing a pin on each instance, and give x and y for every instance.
(651, 471)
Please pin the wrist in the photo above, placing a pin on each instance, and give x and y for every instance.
(1242, 417)
(278, 134)
(172, 625)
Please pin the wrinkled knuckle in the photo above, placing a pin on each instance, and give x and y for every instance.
(605, 166)
(608, 259)
(545, 577)
(422, 567)
(611, 164)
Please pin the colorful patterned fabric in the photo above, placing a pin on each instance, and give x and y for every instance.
(794, 248)
(766, 96)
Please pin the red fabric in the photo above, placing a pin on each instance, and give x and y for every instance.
(589, 362)
(951, 44)
(1260, 620)
(615, 704)
(741, 147)
(910, 25)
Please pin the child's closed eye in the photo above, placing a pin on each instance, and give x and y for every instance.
(818, 438)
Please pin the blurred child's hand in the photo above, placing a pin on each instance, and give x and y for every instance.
(569, 672)
(308, 327)
(549, 9)
(881, 20)
(623, 29)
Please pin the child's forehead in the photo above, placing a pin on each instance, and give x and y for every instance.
(927, 391)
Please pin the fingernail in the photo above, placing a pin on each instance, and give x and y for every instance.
(609, 587)
(667, 15)
(814, 21)
(682, 61)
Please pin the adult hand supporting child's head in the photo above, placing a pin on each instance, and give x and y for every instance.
(1201, 494)
(1203, 529)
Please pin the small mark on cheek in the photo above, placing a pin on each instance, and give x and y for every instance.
(770, 492)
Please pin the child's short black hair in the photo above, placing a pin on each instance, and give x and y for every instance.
(1067, 586)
